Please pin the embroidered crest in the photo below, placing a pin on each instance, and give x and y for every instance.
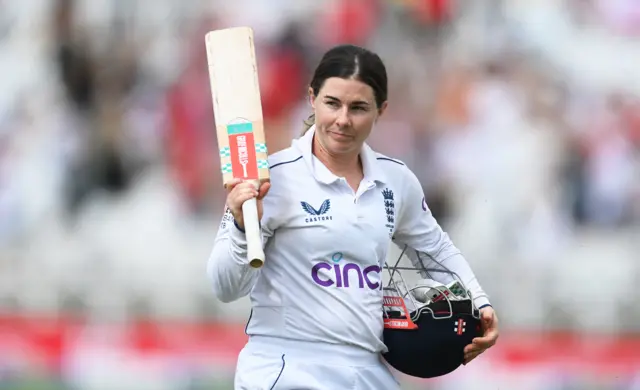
(389, 207)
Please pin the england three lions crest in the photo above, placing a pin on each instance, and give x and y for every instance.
(390, 210)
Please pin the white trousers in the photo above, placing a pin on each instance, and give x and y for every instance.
(267, 363)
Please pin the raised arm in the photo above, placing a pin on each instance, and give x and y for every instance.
(228, 268)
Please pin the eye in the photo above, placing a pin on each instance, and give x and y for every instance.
(360, 108)
(332, 103)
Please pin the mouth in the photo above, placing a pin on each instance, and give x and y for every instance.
(341, 136)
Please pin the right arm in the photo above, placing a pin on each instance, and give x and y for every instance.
(228, 268)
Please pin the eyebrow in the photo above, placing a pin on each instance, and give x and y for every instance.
(361, 102)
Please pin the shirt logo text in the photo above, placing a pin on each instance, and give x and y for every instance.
(319, 214)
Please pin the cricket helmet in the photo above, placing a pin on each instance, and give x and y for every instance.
(428, 325)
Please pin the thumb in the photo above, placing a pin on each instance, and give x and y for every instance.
(264, 188)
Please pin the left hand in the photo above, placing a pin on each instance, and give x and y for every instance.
(489, 323)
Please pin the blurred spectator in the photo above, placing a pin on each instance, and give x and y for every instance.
(96, 85)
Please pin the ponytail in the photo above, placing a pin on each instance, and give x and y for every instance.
(311, 120)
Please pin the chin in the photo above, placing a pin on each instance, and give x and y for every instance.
(341, 147)
(338, 145)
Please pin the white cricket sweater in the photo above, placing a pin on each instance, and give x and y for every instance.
(325, 246)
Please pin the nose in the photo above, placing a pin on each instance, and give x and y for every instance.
(343, 120)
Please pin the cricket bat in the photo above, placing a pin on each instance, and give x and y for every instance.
(233, 75)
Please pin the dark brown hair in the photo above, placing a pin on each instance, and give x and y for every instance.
(350, 62)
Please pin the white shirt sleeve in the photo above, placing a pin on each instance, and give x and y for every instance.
(418, 229)
(228, 268)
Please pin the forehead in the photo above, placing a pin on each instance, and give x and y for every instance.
(347, 90)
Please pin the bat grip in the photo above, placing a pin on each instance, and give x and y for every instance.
(255, 253)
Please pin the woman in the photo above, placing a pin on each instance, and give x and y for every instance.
(332, 208)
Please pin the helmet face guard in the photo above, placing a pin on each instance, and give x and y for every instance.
(428, 323)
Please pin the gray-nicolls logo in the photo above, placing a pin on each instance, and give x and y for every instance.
(460, 327)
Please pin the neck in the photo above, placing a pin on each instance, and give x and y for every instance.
(340, 165)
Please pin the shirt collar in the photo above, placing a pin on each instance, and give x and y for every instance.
(370, 163)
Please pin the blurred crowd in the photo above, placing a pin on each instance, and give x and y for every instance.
(521, 119)
(109, 175)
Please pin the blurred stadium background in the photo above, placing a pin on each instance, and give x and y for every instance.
(522, 119)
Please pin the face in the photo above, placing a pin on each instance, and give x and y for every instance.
(345, 111)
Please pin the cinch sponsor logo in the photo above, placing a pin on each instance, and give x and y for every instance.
(346, 275)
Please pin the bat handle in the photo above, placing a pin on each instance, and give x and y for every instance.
(255, 253)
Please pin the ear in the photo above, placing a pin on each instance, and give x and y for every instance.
(382, 109)
(312, 98)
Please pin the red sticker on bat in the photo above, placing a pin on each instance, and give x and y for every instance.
(243, 156)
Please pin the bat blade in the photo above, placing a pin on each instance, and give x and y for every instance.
(237, 107)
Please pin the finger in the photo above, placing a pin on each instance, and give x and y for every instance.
(245, 184)
(232, 184)
(467, 360)
(472, 355)
(469, 357)
(244, 188)
(264, 189)
(490, 334)
(484, 342)
(242, 196)
(240, 185)
(471, 348)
